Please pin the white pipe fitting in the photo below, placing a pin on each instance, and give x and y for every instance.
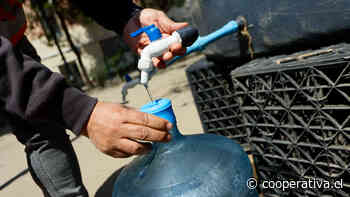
(155, 49)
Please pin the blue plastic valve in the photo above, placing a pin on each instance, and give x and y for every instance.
(152, 32)
(127, 78)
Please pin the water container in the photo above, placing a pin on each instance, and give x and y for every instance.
(202, 165)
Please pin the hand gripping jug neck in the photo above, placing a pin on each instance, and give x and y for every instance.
(202, 165)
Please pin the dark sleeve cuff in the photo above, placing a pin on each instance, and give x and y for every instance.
(76, 109)
(112, 15)
(132, 11)
(33, 93)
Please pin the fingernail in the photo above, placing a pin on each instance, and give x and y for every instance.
(148, 149)
(169, 126)
(168, 137)
(145, 151)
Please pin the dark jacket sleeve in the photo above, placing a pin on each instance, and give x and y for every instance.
(32, 92)
(112, 15)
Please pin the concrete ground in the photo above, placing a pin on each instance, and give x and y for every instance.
(98, 170)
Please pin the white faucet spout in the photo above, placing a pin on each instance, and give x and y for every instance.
(155, 49)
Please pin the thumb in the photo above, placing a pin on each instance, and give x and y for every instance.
(177, 26)
(169, 26)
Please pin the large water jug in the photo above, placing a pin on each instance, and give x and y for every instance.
(202, 165)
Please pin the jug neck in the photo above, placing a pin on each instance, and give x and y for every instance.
(175, 133)
(163, 109)
(176, 136)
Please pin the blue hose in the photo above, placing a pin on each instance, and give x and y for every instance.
(202, 42)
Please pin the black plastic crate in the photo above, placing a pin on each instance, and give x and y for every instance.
(295, 113)
(211, 87)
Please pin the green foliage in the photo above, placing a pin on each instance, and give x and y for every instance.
(164, 5)
(99, 74)
(116, 66)
(114, 60)
(71, 13)
(179, 3)
(122, 62)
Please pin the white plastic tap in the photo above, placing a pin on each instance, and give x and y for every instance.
(155, 49)
(159, 46)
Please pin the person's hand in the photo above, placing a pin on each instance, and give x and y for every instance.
(114, 130)
(166, 26)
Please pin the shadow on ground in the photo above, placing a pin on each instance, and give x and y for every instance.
(106, 188)
(3, 133)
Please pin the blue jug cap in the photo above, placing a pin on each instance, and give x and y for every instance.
(161, 108)
(156, 106)
(152, 32)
